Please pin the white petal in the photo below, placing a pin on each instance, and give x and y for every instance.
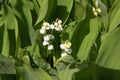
(66, 49)
(46, 38)
(45, 43)
(95, 13)
(59, 21)
(50, 47)
(98, 10)
(93, 8)
(44, 27)
(67, 44)
(62, 46)
(56, 24)
(47, 27)
(52, 26)
(42, 31)
(64, 54)
(46, 24)
(60, 26)
(56, 28)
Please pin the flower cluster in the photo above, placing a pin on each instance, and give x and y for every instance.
(57, 25)
(47, 40)
(66, 48)
(96, 11)
(47, 30)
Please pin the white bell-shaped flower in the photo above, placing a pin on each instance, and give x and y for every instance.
(64, 54)
(50, 47)
(59, 21)
(42, 31)
(52, 26)
(45, 43)
(62, 46)
(46, 38)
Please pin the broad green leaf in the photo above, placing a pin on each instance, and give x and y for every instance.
(37, 60)
(36, 6)
(79, 10)
(1, 21)
(6, 65)
(63, 9)
(12, 42)
(8, 77)
(69, 30)
(108, 3)
(28, 73)
(24, 17)
(54, 74)
(83, 36)
(1, 37)
(11, 26)
(5, 47)
(42, 11)
(89, 39)
(64, 67)
(114, 19)
(85, 74)
(9, 18)
(102, 73)
(28, 16)
(109, 51)
(80, 30)
(51, 10)
(104, 14)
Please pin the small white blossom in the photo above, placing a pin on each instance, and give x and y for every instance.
(52, 26)
(50, 47)
(64, 54)
(59, 28)
(46, 38)
(46, 24)
(42, 31)
(62, 46)
(67, 44)
(45, 43)
(66, 49)
(95, 13)
(43, 27)
(59, 21)
(93, 8)
(56, 28)
(47, 27)
(56, 24)
(98, 10)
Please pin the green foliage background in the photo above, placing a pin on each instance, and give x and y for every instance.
(95, 40)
